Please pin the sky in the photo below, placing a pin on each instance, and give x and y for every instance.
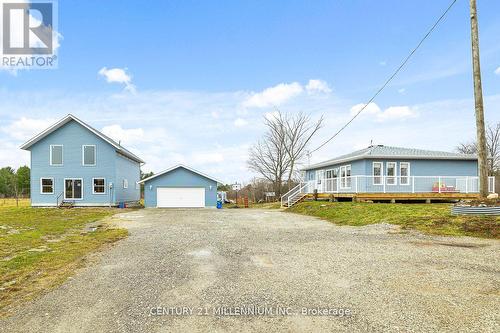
(191, 81)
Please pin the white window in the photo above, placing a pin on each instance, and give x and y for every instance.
(345, 176)
(88, 155)
(391, 173)
(125, 183)
(320, 174)
(98, 186)
(332, 173)
(56, 155)
(377, 173)
(404, 172)
(47, 185)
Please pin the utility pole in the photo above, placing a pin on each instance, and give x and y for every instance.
(478, 98)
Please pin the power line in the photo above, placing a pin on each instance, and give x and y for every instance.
(390, 78)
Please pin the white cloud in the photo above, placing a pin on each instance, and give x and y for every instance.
(318, 86)
(497, 71)
(215, 114)
(402, 91)
(371, 108)
(125, 136)
(274, 96)
(397, 112)
(391, 113)
(271, 115)
(118, 75)
(383, 63)
(240, 122)
(25, 128)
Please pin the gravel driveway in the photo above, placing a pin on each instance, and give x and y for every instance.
(220, 263)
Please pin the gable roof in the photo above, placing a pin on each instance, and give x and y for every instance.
(381, 151)
(119, 148)
(177, 167)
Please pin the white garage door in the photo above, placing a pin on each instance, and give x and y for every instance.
(182, 197)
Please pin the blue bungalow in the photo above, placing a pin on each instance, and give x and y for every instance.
(382, 169)
(73, 163)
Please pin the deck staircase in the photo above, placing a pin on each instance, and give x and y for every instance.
(61, 203)
(295, 195)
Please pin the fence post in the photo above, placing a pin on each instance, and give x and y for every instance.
(439, 184)
(467, 184)
(337, 184)
(356, 183)
(383, 179)
(413, 184)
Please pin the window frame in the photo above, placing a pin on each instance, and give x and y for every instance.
(320, 176)
(334, 173)
(393, 177)
(41, 185)
(381, 176)
(83, 187)
(344, 184)
(125, 183)
(408, 173)
(62, 155)
(93, 186)
(83, 155)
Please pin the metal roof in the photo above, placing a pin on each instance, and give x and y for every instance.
(381, 151)
(119, 148)
(180, 166)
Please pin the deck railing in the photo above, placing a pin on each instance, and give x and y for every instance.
(399, 184)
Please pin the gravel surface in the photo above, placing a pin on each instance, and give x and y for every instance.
(223, 260)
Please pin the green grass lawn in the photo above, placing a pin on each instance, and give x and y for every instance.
(428, 218)
(40, 248)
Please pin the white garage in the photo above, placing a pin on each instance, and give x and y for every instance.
(180, 187)
(181, 197)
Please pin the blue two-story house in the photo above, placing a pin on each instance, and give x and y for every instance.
(74, 163)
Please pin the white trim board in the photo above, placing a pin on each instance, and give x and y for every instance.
(180, 166)
(66, 120)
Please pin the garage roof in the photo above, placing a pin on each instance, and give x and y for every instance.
(181, 166)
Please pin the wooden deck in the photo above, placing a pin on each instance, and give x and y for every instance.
(431, 196)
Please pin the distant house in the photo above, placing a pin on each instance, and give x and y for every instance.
(73, 163)
(180, 187)
(392, 172)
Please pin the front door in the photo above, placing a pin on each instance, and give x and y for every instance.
(320, 179)
(73, 189)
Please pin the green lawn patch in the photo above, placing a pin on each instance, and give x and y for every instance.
(428, 218)
(40, 248)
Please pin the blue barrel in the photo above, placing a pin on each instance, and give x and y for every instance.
(219, 204)
(121, 204)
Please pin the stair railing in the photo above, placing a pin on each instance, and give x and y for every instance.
(57, 199)
(292, 193)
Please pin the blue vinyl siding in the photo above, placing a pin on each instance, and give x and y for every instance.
(180, 177)
(417, 167)
(129, 170)
(72, 136)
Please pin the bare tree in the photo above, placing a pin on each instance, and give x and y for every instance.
(299, 131)
(268, 156)
(282, 148)
(493, 148)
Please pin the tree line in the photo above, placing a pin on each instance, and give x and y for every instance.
(14, 183)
